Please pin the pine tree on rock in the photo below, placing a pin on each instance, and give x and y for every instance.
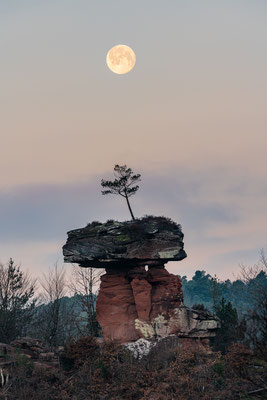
(123, 185)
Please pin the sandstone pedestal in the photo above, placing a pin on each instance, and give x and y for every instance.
(147, 305)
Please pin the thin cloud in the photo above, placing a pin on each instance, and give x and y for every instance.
(222, 224)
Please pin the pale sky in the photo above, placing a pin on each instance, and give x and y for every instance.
(190, 117)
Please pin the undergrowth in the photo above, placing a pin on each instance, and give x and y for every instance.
(93, 371)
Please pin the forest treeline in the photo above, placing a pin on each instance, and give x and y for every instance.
(240, 306)
(207, 290)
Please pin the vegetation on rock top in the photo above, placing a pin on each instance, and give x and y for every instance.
(162, 222)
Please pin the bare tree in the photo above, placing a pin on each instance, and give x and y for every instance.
(84, 285)
(52, 316)
(123, 185)
(17, 302)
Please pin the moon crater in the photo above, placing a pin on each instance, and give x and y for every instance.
(121, 59)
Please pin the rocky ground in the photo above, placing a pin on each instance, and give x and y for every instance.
(28, 350)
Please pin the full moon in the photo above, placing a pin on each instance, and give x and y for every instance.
(121, 59)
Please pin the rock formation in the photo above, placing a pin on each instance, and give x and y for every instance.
(125, 244)
(138, 297)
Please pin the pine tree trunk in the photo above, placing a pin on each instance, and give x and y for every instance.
(128, 203)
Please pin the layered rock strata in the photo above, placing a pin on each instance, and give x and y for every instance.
(125, 244)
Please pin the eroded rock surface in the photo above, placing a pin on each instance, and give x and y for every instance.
(116, 310)
(123, 244)
(149, 305)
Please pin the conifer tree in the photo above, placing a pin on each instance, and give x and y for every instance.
(17, 302)
(123, 185)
